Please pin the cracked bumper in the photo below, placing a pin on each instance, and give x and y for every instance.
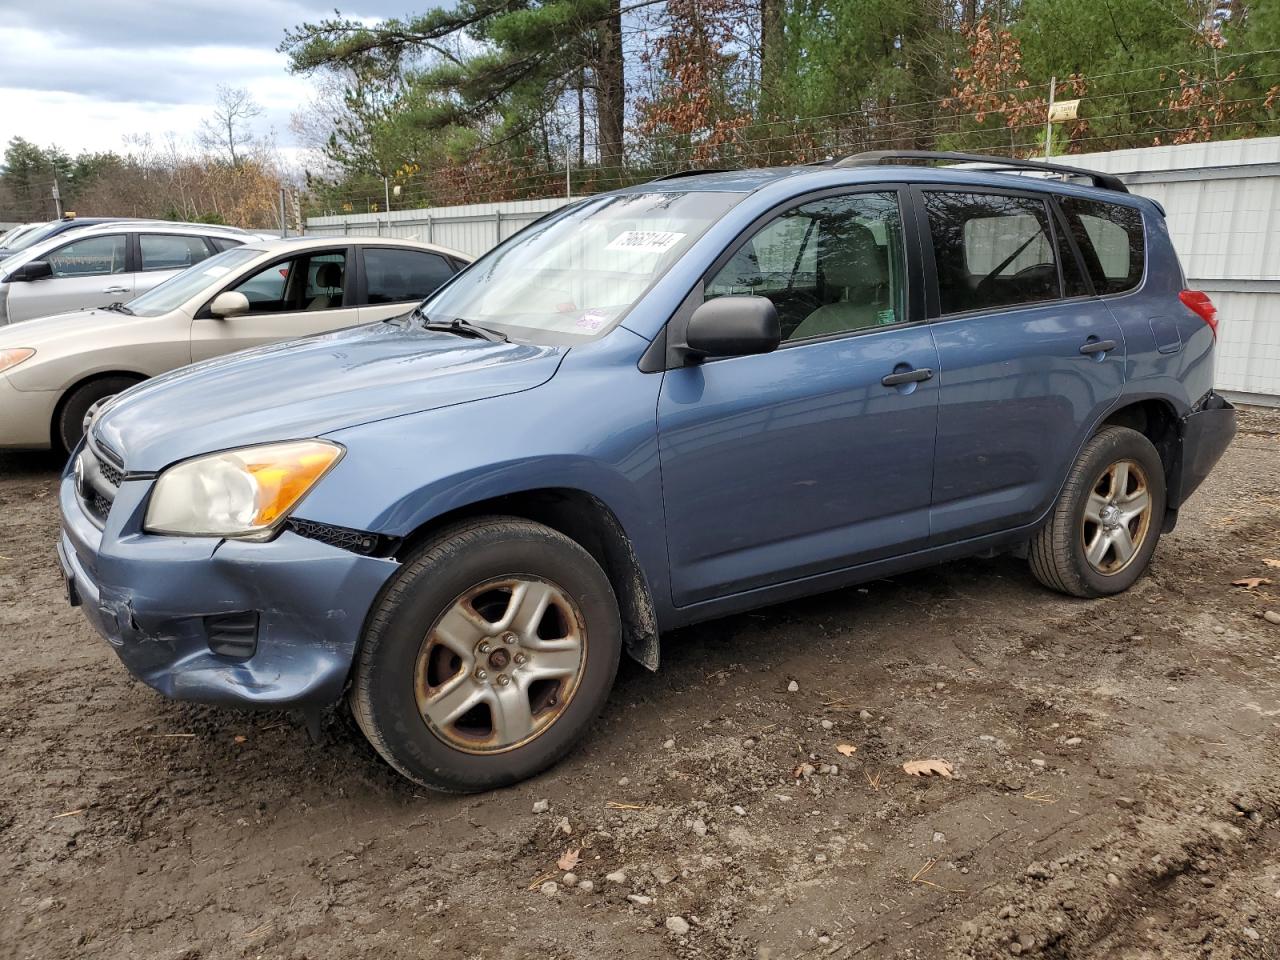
(148, 597)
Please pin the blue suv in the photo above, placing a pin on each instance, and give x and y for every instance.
(672, 402)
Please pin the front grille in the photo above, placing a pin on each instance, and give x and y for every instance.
(98, 479)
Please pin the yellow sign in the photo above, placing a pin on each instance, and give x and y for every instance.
(1064, 110)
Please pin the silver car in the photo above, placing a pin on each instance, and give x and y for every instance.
(53, 370)
(93, 266)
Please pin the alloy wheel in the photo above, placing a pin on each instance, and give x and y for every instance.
(501, 664)
(1117, 517)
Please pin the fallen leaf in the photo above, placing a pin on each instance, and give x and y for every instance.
(569, 859)
(1271, 563)
(846, 749)
(239, 739)
(928, 768)
(1250, 582)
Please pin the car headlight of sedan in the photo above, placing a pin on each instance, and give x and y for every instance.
(238, 493)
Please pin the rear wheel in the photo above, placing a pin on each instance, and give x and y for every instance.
(68, 425)
(488, 656)
(1106, 523)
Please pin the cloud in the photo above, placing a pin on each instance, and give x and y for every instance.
(86, 73)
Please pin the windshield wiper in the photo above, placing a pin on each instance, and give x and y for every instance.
(118, 307)
(463, 328)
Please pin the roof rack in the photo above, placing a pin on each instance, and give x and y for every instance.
(1104, 181)
(688, 173)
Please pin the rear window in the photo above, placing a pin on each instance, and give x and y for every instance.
(1111, 241)
(400, 276)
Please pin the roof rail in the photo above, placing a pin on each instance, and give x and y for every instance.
(1105, 181)
(688, 173)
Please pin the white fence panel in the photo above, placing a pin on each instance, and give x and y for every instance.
(471, 229)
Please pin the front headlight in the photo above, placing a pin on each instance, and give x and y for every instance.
(238, 493)
(13, 356)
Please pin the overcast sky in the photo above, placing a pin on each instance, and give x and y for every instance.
(85, 73)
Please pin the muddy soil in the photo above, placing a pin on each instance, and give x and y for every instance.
(1116, 788)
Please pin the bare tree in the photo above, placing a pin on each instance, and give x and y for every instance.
(229, 130)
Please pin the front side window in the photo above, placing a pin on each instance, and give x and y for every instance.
(90, 257)
(398, 276)
(991, 250)
(574, 275)
(163, 251)
(314, 281)
(830, 266)
(1111, 242)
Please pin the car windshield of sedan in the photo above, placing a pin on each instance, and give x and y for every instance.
(178, 289)
(576, 274)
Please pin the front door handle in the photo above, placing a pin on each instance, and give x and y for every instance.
(1098, 346)
(907, 376)
(113, 290)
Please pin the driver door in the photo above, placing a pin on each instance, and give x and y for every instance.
(803, 461)
(293, 297)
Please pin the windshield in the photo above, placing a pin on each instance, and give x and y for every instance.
(177, 290)
(575, 275)
(32, 237)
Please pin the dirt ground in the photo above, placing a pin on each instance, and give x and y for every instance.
(1116, 789)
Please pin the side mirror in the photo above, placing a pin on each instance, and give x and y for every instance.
(734, 327)
(32, 270)
(229, 304)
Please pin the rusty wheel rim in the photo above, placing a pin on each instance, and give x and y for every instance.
(1117, 517)
(501, 664)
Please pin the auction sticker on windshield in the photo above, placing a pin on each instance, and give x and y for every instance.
(645, 241)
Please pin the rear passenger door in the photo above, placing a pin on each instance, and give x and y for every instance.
(163, 255)
(396, 279)
(1028, 358)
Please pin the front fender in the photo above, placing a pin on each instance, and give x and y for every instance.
(591, 428)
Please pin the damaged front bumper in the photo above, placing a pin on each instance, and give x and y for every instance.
(291, 611)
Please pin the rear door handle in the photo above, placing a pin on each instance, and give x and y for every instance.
(907, 376)
(113, 290)
(1098, 346)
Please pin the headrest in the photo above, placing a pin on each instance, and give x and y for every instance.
(849, 255)
(329, 274)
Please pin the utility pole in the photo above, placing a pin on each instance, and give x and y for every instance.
(57, 198)
(386, 189)
(1048, 120)
(568, 166)
(284, 231)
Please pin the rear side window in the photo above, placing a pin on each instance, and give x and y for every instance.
(1111, 242)
(223, 243)
(398, 276)
(991, 250)
(166, 251)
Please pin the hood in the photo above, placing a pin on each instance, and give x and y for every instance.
(306, 388)
(39, 331)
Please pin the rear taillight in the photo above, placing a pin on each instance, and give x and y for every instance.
(1200, 304)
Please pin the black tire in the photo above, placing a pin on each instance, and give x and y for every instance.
(383, 694)
(1057, 555)
(68, 425)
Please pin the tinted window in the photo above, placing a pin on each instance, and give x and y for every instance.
(396, 276)
(90, 257)
(1111, 242)
(991, 250)
(222, 243)
(830, 266)
(163, 251)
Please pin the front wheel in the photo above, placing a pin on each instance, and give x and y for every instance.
(488, 657)
(1106, 522)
